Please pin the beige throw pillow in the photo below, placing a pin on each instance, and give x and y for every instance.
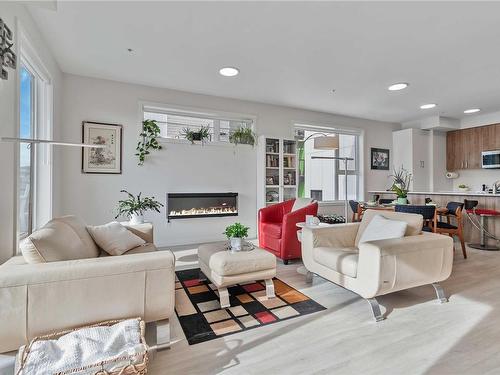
(62, 238)
(114, 238)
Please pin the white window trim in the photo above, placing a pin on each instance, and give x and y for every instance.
(43, 119)
(331, 128)
(193, 111)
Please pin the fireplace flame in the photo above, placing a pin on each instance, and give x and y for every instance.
(205, 211)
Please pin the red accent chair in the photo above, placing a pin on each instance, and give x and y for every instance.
(278, 228)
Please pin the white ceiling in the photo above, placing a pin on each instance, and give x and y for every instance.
(292, 53)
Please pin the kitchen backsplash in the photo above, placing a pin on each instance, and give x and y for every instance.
(475, 178)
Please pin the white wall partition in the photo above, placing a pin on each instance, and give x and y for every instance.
(181, 167)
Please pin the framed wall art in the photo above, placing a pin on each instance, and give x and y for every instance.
(380, 159)
(106, 160)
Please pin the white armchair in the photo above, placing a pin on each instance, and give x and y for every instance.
(375, 268)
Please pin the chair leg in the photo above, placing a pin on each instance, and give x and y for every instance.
(269, 288)
(285, 262)
(158, 334)
(375, 309)
(462, 242)
(441, 296)
(224, 298)
(309, 277)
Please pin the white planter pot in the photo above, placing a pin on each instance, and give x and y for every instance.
(236, 243)
(136, 219)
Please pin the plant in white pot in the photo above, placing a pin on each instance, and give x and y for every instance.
(236, 233)
(401, 184)
(134, 207)
(463, 188)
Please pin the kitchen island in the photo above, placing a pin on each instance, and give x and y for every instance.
(488, 201)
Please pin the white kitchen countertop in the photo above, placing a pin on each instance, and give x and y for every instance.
(467, 193)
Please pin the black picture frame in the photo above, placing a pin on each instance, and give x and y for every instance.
(380, 158)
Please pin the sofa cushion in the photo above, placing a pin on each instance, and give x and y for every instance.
(146, 248)
(301, 203)
(63, 238)
(341, 260)
(114, 238)
(414, 221)
(272, 229)
(380, 228)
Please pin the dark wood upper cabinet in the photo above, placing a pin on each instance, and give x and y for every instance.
(453, 154)
(464, 147)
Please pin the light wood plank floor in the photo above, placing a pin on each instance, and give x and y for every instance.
(419, 336)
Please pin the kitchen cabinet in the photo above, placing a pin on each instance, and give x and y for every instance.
(464, 147)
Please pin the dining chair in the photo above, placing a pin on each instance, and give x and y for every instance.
(385, 201)
(356, 215)
(428, 212)
(453, 229)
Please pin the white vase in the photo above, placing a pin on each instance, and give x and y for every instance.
(236, 243)
(136, 219)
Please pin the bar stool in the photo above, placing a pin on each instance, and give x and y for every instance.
(470, 207)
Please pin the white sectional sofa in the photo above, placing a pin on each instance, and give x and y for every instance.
(84, 288)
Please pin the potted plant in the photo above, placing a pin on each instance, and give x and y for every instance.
(243, 135)
(150, 131)
(463, 187)
(236, 233)
(202, 135)
(401, 184)
(134, 207)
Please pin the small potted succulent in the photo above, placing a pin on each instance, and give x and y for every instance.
(236, 233)
(134, 207)
(202, 135)
(463, 188)
(401, 184)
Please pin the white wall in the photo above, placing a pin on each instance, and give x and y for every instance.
(15, 14)
(181, 167)
(439, 182)
(480, 120)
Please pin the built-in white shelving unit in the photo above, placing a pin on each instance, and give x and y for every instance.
(277, 170)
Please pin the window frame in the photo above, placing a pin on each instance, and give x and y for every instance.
(358, 165)
(179, 110)
(41, 155)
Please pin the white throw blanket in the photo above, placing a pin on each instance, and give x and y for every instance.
(84, 347)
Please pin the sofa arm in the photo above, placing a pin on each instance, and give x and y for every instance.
(336, 236)
(144, 230)
(386, 266)
(30, 274)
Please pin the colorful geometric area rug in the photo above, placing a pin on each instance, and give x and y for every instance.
(202, 319)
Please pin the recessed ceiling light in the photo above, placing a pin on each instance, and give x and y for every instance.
(398, 86)
(427, 106)
(229, 71)
(332, 91)
(472, 110)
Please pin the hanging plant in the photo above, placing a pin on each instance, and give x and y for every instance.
(202, 135)
(150, 131)
(243, 135)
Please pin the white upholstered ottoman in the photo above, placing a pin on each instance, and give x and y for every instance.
(225, 268)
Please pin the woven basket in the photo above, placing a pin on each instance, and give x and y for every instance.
(140, 368)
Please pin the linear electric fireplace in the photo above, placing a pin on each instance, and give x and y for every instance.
(189, 205)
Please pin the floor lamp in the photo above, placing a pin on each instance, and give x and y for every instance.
(325, 142)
